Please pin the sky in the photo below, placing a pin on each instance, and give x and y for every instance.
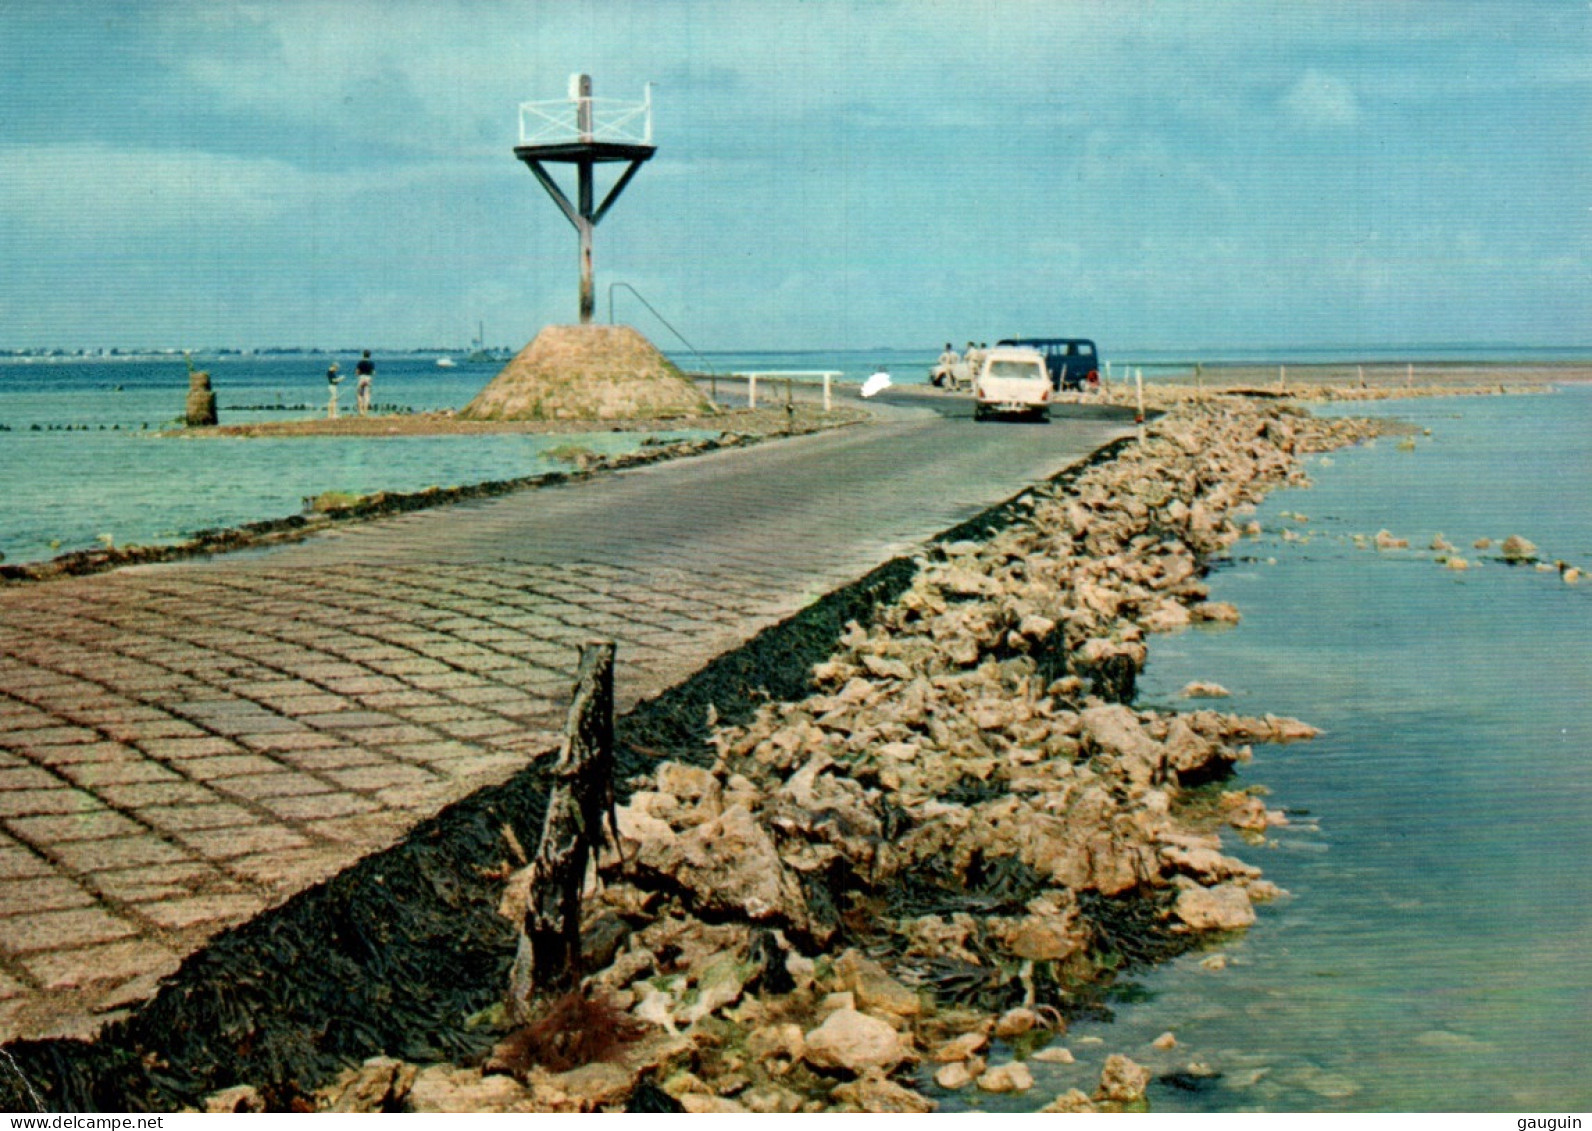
(1187, 174)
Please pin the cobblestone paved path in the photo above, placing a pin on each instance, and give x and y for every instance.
(184, 746)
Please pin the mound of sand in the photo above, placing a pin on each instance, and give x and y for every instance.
(588, 373)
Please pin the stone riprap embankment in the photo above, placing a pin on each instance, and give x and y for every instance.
(900, 885)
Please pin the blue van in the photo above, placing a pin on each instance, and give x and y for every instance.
(1071, 362)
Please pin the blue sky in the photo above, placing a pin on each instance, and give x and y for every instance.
(837, 173)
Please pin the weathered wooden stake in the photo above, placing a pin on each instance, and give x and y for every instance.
(581, 799)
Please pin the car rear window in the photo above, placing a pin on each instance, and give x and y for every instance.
(1016, 369)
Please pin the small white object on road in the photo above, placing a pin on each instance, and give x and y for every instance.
(876, 383)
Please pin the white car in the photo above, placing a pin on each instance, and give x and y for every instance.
(1012, 379)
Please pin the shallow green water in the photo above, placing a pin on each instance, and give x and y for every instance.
(1435, 952)
(62, 487)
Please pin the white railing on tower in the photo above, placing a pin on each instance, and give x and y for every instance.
(565, 120)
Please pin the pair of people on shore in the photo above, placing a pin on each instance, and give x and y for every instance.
(365, 371)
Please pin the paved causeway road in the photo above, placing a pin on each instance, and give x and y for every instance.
(184, 746)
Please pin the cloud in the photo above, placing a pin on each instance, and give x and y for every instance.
(1320, 101)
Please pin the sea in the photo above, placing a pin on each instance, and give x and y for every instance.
(1434, 950)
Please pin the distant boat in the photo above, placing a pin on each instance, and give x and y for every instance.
(446, 363)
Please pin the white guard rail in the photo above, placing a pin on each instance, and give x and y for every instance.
(828, 376)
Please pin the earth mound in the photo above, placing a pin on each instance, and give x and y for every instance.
(588, 373)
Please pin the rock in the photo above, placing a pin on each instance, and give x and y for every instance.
(1482, 544)
(1114, 731)
(1517, 549)
(874, 988)
(729, 865)
(1225, 907)
(1386, 541)
(1214, 962)
(875, 1094)
(1069, 1101)
(1191, 754)
(379, 1084)
(1216, 612)
(696, 1102)
(1016, 1022)
(1165, 1042)
(1043, 938)
(954, 1076)
(1456, 564)
(690, 784)
(449, 1089)
(1013, 1077)
(1122, 1080)
(960, 1048)
(239, 1097)
(776, 1047)
(1206, 864)
(1198, 690)
(595, 1085)
(855, 1042)
(1054, 1054)
(638, 828)
(771, 1099)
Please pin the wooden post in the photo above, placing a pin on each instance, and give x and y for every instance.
(1409, 374)
(828, 403)
(1362, 376)
(1138, 385)
(751, 390)
(582, 797)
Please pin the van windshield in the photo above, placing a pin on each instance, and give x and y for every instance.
(1016, 369)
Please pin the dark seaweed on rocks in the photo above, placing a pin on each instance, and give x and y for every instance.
(1136, 927)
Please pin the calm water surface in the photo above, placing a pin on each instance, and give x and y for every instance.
(60, 490)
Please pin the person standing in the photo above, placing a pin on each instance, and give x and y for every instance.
(365, 370)
(945, 367)
(332, 381)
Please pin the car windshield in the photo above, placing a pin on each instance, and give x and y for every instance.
(1016, 368)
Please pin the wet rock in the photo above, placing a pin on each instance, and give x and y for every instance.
(1216, 612)
(1198, 690)
(1386, 541)
(877, 1094)
(1122, 1080)
(954, 1076)
(1013, 1077)
(1069, 1101)
(1206, 864)
(1516, 549)
(960, 1048)
(1016, 1022)
(1165, 1042)
(1053, 1054)
(1225, 907)
(855, 1042)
